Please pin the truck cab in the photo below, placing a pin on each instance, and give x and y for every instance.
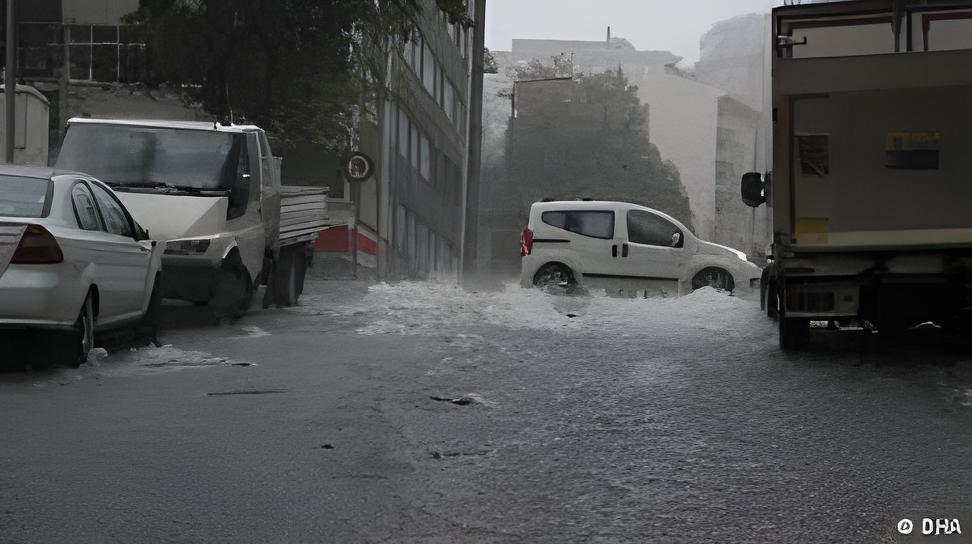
(212, 192)
(870, 186)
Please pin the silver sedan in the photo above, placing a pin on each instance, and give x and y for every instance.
(72, 258)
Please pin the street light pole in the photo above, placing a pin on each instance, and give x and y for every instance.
(10, 85)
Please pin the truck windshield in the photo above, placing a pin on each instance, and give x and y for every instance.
(135, 156)
(23, 196)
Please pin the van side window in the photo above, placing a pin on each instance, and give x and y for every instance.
(652, 230)
(585, 223)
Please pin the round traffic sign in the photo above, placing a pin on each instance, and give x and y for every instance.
(359, 167)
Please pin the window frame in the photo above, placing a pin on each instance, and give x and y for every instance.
(612, 213)
(678, 229)
(128, 217)
(74, 205)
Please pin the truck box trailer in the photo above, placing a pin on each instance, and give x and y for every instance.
(872, 165)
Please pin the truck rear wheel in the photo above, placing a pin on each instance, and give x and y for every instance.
(794, 332)
(288, 278)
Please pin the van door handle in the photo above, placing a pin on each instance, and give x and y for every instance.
(624, 250)
(614, 250)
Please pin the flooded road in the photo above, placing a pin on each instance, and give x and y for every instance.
(419, 412)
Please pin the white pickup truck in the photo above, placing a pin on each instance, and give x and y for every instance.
(870, 190)
(213, 193)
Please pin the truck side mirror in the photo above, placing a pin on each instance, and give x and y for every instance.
(753, 189)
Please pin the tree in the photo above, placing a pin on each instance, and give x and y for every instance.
(489, 62)
(299, 68)
(559, 66)
(587, 138)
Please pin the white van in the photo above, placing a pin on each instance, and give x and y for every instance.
(567, 244)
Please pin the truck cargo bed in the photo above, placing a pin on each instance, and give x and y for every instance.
(303, 213)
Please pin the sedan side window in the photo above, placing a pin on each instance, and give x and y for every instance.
(585, 223)
(115, 217)
(653, 230)
(85, 209)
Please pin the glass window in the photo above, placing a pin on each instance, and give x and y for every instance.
(116, 220)
(84, 208)
(401, 228)
(23, 197)
(428, 70)
(415, 147)
(403, 128)
(449, 100)
(425, 160)
(652, 230)
(595, 224)
(415, 53)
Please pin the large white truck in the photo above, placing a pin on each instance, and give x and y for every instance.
(871, 188)
(213, 193)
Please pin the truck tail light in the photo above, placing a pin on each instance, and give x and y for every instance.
(37, 246)
(526, 242)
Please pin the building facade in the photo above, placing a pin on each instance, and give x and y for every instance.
(412, 220)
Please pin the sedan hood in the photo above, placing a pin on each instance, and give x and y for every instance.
(708, 248)
(170, 217)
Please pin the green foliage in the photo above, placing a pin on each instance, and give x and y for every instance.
(559, 66)
(587, 138)
(298, 68)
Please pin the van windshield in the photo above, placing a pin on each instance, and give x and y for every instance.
(135, 156)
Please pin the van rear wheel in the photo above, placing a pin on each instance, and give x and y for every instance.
(554, 276)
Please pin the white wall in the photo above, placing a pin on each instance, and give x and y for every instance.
(684, 116)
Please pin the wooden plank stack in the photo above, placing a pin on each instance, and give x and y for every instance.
(303, 212)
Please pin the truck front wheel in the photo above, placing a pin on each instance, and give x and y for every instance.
(233, 290)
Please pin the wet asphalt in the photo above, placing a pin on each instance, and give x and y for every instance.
(406, 416)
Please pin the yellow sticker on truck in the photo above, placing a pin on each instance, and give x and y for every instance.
(812, 230)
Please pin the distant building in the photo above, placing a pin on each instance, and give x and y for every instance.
(735, 56)
(683, 111)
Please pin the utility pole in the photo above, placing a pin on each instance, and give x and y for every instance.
(10, 84)
(474, 141)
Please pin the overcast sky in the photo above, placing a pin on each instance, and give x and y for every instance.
(674, 25)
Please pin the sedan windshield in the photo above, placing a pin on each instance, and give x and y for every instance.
(134, 156)
(23, 196)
